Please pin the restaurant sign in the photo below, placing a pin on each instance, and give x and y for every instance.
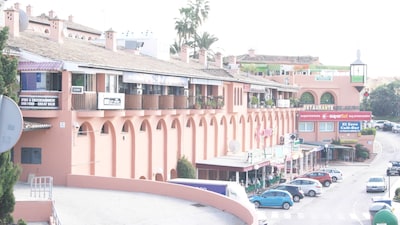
(38, 102)
(335, 116)
(349, 127)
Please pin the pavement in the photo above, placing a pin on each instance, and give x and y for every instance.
(80, 206)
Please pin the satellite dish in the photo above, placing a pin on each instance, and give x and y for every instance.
(23, 20)
(11, 123)
(234, 146)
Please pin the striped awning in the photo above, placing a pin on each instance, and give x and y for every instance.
(40, 66)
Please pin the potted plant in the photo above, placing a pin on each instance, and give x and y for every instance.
(270, 103)
(254, 101)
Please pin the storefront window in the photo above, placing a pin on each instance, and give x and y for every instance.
(306, 126)
(326, 126)
(41, 81)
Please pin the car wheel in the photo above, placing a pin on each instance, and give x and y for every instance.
(296, 198)
(312, 193)
(286, 206)
(327, 183)
(257, 204)
(334, 179)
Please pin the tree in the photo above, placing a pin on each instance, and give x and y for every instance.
(192, 17)
(205, 41)
(9, 173)
(385, 99)
(185, 169)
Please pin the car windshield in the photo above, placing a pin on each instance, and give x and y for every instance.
(375, 179)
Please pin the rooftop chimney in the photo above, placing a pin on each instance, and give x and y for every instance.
(203, 56)
(12, 21)
(111, 40)
(51, 14)
(185, 53)
(29, 10)
(56, 29)
(218, 60)
(16, 6)
(71, 18)
(251, 53)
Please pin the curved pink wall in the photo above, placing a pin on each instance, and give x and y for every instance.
(167, 189)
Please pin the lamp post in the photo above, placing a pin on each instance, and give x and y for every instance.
(256, 167)
(292, 138)
(388, 175)
(327, 155)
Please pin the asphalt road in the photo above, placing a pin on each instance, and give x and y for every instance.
(345, 202)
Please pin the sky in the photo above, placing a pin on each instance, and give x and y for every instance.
(332, 30)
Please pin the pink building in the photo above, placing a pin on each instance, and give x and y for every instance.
(101, 110)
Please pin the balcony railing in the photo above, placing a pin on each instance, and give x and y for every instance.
(88, 101)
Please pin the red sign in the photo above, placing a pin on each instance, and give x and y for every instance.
(334, 116)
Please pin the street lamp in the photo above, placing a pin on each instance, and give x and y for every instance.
(327, 154)
(292, 138)
(388, 175)
(256, 167)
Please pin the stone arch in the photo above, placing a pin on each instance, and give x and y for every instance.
(146, 128)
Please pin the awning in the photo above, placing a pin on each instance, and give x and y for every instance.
(40, 66)
(30, 126)
(143, 78)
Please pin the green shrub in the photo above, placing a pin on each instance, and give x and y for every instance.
(368, 131)
(185, 169)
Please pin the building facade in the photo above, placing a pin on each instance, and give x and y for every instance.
(96, 109)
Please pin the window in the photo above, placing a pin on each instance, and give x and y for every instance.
(306, 126)
(327, 98)
(87, 81)
(307, 98)
(326, 126)
(31, 155)
(41, 81)
(112, 83)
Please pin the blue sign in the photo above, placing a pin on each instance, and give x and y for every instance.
(349, 127)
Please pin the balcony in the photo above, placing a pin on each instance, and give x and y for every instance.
(88, 101)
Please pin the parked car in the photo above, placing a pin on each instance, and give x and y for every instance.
(376, 183)
(378, 124)
(334, 173)
(396, 128)
(393, 168)
(310, 187)
(273, 198)
(294, 190)
(387, 126)
(321, 176)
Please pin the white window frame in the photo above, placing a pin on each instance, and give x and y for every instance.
(306, 126)
(326, 126)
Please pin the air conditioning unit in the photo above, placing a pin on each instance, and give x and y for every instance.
(186, 92)
(139, 91)
(77, 89)
(138, 85)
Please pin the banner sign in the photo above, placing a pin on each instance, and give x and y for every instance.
(349, 127)
(335, 116)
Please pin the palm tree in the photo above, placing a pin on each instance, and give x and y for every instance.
(192, 17)
(205, 41)
(200, 9)
(199, 13)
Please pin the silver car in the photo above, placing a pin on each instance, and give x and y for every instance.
(376, 184)
(310, 187)
(334, 173)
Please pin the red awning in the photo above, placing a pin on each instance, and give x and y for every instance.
(40, 66)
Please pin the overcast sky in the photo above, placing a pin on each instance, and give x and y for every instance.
(330, 30)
